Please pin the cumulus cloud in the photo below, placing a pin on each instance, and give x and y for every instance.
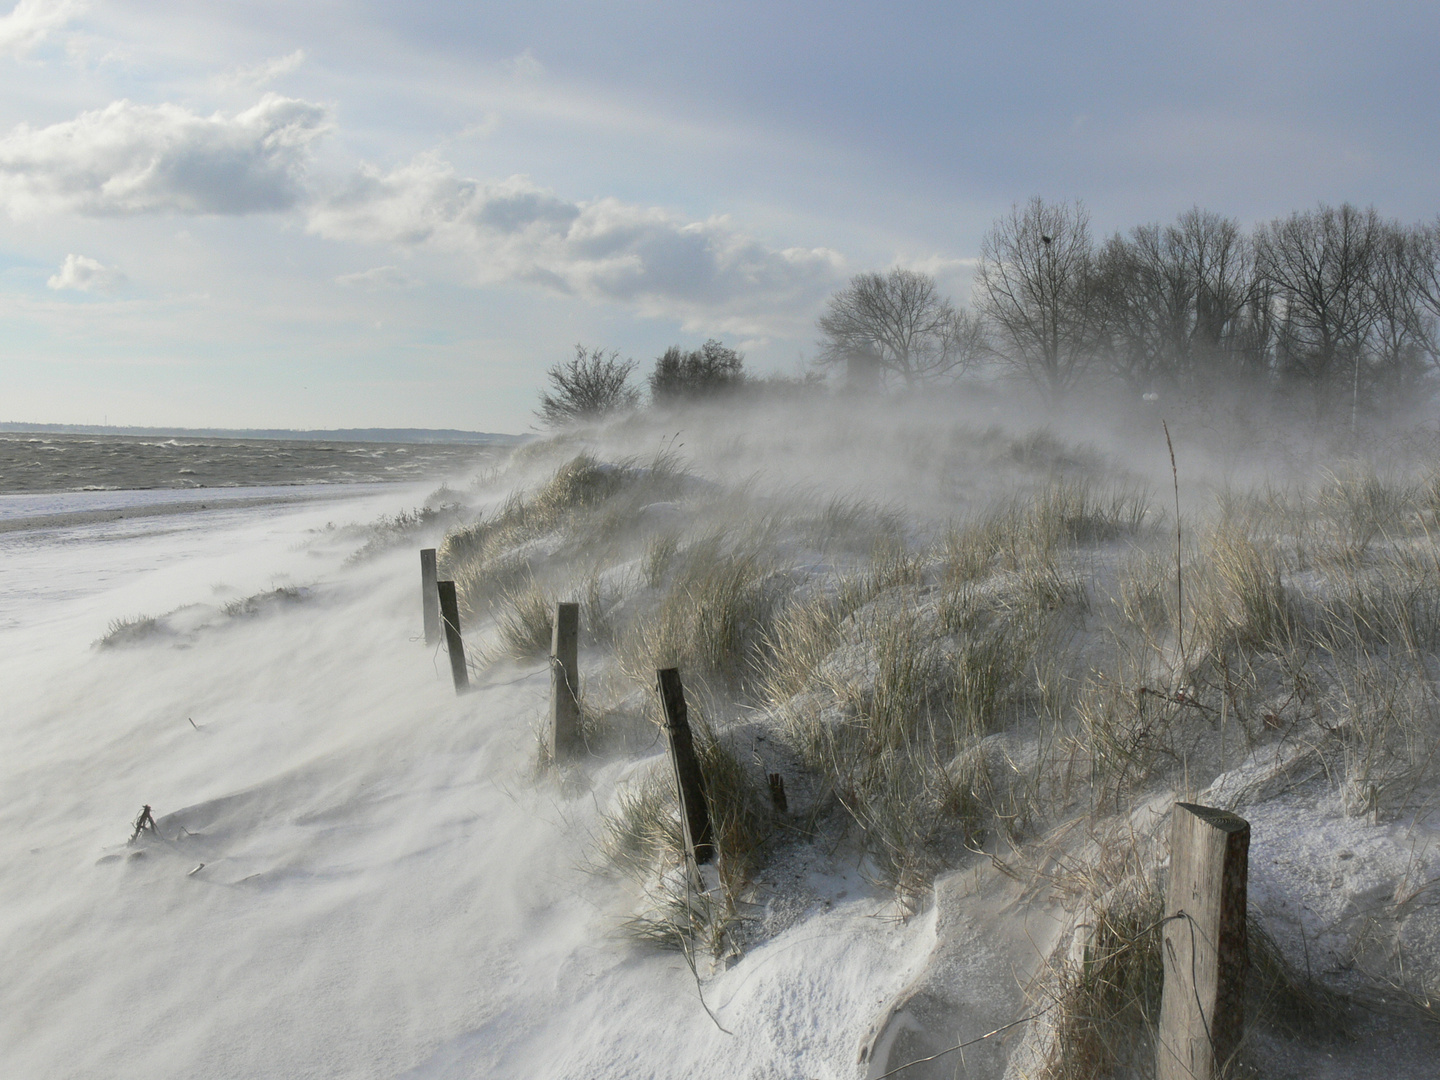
(265, 72)
(707, 274)
(31, 21)
(524, 66)
(379, 279)
(84, 274)
(131, 159)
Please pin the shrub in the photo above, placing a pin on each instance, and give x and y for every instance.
(590, 386)
(704, 372)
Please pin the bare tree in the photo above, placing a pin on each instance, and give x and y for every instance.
(1037, 285)
(1321, 264)
(1176, 300)
(1220, 261)
(897, 323)
(1147, 298)
(590, 386)
(1423, 266)
(1426, 265)
(1403, 345)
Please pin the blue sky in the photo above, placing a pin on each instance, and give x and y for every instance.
(354, 214)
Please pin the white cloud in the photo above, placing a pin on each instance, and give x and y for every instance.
(84, 274)
(131, 159)
(707, 274)
(31, 21)
(936, 265)
(379, 279)
(951, 274)
(524, 66)
(265, 72)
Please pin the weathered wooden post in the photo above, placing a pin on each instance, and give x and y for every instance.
(450, 611)
(565, 682)
(429, 598)
(1203, 944)
(694, 814)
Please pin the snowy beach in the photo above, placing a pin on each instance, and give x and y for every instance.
(355, 874)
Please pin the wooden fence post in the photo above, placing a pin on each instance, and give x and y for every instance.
(429, 598)
(694, 814)
(565, 682)
(450, 610)
(1203, 944)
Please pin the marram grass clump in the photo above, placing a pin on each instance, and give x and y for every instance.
(681, 906)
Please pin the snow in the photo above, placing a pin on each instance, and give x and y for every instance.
(386, 888)
(27, 505)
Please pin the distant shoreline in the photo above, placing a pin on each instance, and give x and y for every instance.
(363, 435)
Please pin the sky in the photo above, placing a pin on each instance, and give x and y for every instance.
(361, 214)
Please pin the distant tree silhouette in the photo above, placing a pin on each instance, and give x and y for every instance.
(896, 323)
(1037, 287)
(1176, 301)
(712, 369)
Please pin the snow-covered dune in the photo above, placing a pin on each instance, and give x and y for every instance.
(355, 873)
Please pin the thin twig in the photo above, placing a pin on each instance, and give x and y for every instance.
(971, 1042)
(686, 944)
(1179, 577)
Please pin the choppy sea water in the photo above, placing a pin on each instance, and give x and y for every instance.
(54, 462)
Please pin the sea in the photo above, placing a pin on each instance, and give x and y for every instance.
(45, 462)
(167, 498)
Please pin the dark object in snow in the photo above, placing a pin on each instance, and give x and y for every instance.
(565, 739)
(777, 793)
(144, 821)
(450, 613)
(1204, 946)
(689, 783)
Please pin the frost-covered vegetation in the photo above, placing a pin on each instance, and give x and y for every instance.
(995, 649)
(1321, 313)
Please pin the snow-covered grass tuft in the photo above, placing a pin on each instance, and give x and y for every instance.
(131, 631)
(526, 619)
(681, 906)
(714, 612)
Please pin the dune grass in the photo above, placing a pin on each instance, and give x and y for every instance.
(977, 685)
(130, 631)
(643, 839)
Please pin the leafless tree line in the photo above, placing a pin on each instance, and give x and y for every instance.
(1336, 301)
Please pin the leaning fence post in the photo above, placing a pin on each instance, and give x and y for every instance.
(565, 682)
(694, 814)
(429, 599)
(1203, 944)
(450, 610)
